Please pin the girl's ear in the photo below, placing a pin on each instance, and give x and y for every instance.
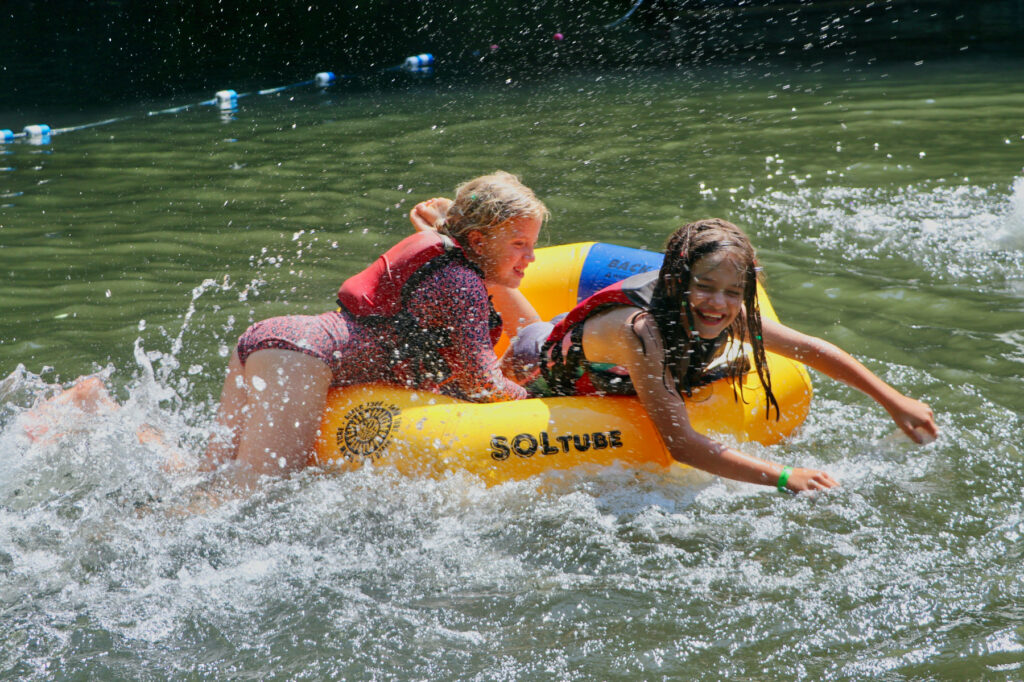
(475, 238)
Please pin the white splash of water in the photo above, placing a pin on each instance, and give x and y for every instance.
(963, 233)
(1011, 233)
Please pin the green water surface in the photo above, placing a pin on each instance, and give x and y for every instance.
(887, 205)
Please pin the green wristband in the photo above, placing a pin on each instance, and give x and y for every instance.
(784, 479)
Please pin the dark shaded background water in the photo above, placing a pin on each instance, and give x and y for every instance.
(76, 54)
(887, 203)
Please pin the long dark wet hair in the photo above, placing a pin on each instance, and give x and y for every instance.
(686, 354)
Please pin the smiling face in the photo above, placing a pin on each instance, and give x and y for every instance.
(504, 252)
(717, 285)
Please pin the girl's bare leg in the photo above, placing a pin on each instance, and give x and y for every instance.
(223, 445)
(88, 394)
(285, 394)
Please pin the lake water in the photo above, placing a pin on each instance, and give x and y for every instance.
(887, 204)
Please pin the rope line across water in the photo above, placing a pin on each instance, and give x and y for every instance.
(224, 100)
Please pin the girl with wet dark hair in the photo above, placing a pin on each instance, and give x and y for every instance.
(661, 335)
(684, 348)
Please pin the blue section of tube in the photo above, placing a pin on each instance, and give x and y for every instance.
(607, 264)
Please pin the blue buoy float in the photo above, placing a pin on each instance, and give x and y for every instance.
(420, 63)
(324, 78)
(6, 135)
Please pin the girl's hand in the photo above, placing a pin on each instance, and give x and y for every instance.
(804, 480)
(426, 215)
(915, 419)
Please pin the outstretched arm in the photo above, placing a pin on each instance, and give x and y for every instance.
(638, 347)
(914, 417)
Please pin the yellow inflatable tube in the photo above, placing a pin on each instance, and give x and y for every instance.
(422, 433)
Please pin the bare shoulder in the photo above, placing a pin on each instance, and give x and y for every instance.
(622, 335)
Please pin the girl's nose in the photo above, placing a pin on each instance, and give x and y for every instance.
(717, 298)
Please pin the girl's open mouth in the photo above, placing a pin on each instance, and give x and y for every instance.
(710, 318)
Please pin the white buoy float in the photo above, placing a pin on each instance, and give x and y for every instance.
(226, 99)
(324, 78)
(37, 134)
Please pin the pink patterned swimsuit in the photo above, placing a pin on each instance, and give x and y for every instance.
(449, 310)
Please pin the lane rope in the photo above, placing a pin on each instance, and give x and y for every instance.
(225, 100)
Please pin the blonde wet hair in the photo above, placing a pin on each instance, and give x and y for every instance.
(488, 201)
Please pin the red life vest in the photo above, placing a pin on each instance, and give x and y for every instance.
(634, 291)
(379, 292)
(576, 376)
(571, 374)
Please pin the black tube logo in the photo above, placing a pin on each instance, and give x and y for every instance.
(366, 430)
(527, 445)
